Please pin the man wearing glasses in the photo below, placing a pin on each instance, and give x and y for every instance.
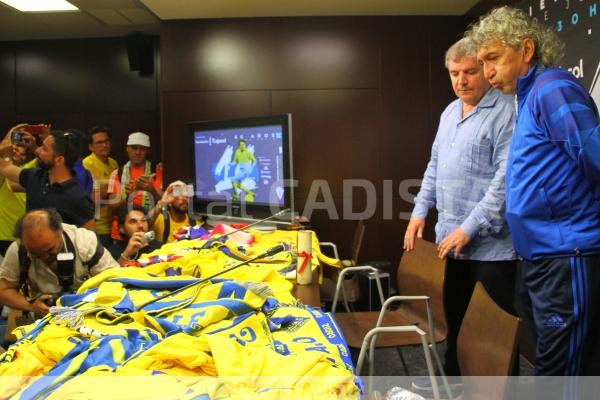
(101, 165)
(48, 259)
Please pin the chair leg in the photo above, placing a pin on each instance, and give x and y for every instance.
(351, 306)
(430, 370)
(403, 361)
(433, 349)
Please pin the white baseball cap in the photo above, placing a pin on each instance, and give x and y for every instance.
(138, 139)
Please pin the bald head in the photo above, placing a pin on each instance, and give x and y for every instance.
(38, 219)
(40, 232)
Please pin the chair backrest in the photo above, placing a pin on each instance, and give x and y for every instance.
(486, 347)
(422, 273)
(357, 241)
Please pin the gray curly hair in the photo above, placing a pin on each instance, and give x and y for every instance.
(512, 26)
(461, 49)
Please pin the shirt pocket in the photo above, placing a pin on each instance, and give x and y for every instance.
(478, 156)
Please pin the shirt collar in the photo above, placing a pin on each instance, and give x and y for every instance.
(525, 83)
(488, 100)
(97, 159)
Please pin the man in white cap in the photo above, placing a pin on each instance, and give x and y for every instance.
(135, 182)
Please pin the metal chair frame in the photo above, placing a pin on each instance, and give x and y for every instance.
(429, 344)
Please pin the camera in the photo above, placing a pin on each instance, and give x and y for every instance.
(16, 137)
(183, 190)
(148, 236)
(52, 301)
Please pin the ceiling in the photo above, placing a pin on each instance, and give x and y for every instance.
(110, 18)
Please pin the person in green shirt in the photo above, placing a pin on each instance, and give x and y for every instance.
(244, 161)
(12, 197)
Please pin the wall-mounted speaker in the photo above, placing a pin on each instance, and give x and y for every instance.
(140, 53)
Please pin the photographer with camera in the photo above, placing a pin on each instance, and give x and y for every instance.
(136, 237)
(33, 137)
(48, 259)
(171, 212)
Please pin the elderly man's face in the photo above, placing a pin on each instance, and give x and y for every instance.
(467, 79)
(502, 65)
(43, 244)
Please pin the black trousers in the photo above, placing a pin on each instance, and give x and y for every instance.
(561, 297)
(499, 280)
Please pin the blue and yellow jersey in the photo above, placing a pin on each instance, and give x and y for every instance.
(239, 334)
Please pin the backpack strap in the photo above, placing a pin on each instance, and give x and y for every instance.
(98, 253)
(166, 224)
(24, 265)
(65, 268)
(96, 257)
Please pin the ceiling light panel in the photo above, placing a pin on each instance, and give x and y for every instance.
(40, 5)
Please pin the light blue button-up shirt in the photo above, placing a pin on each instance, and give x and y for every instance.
(465, 177)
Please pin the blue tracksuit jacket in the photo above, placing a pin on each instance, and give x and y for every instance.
(553, 173)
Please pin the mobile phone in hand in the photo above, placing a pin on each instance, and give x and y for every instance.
(35, 130)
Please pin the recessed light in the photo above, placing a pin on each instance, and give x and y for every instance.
(40, 5)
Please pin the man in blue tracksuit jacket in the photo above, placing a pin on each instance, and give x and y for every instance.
(552, 189)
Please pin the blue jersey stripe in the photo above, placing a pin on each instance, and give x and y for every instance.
(573, 335)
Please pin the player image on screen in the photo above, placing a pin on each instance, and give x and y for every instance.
(240, 164)
(244, 162)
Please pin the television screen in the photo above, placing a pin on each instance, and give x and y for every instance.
(243, 167)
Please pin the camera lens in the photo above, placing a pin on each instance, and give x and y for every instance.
(16, 137)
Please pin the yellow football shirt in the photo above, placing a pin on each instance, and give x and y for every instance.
(101, 172)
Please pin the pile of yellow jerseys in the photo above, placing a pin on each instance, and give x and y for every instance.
(239, 335)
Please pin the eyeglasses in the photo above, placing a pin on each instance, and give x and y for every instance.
(101, 142)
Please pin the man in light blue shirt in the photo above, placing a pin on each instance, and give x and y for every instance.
(465, 181)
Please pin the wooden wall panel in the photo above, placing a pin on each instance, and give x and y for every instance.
(50, 78)
(113, 86)
(328, 128)
(268, 53)
(365, 95)
(77, 84)
(7, 86)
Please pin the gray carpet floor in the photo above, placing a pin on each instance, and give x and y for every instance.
(389, 371)
(387, 362)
